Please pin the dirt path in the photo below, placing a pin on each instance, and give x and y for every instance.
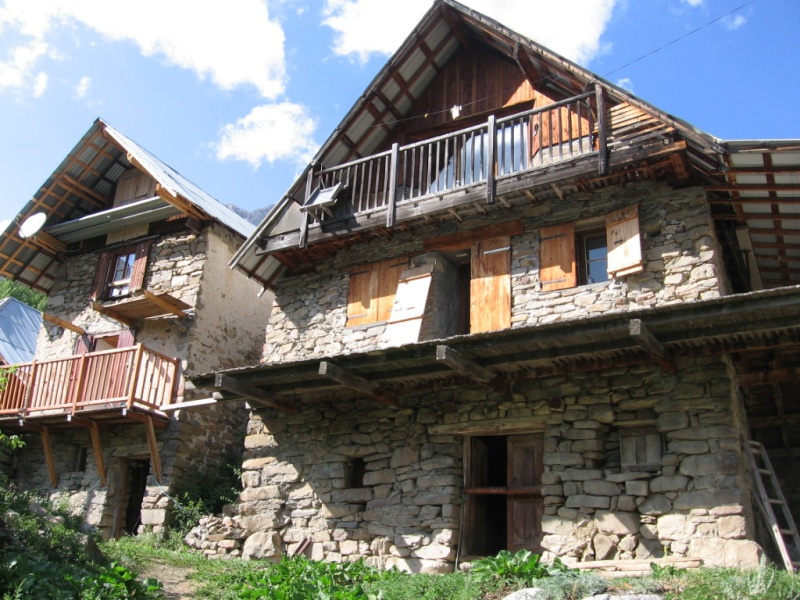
(176, 582)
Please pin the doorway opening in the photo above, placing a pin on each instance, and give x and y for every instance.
(132, 491)
(504, 503)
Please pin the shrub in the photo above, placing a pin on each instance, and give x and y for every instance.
(509, 570)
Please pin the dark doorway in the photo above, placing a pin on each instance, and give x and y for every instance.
(504, 494)
(134, 485)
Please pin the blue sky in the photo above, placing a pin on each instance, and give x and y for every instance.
(237, 95)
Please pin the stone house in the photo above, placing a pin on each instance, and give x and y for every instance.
(518, 307)
(133, 258)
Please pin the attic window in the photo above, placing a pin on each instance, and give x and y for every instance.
(322, 199)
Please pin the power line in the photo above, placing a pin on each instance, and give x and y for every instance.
(676, 40)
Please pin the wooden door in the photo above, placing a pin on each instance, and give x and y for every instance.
(525, 504)
(490, 286)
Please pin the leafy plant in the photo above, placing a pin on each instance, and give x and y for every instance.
(22, 293)
(206, 495)
(509, 570)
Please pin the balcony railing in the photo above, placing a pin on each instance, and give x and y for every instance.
(124, 378)
(475, 155)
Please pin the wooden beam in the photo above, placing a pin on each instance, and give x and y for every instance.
(98, 307)
(756, 187)
(250, 392)
(163, 304)
(464, 239)
(152, 444)
(769, 377)
(464, 366)
(654, 348)
(48, 456)
(355, 382)
(501, 426)
(77, 187)
(63, 323)
(97, 447)
(48, 241)
(191, 404)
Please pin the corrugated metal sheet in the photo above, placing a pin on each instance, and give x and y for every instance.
(19, 328)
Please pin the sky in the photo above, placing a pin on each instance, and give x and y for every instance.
(238, 95)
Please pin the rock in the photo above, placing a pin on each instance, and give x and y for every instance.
(605, 546)
(656, 504)
(419, 565)
(732, 527)
(618, 523)
(526, 594)
(263, 545)
(724, 462)
(598, 487)
(675, 527)
(718, 552)
(674, 483)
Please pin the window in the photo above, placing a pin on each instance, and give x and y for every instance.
(592, 257)
(120, 280)
(640, 448)
(567, 259)
(372, 291)
(120, 272)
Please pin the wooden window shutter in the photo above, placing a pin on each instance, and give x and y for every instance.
(640, 448)
(139, 266)
(126, 338)
(624, 246)
(408, 310)
(84, 344)
(101, 276)
(490, 285)
(557, 268)
(372, 290)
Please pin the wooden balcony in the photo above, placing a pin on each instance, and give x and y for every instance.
(113, 386)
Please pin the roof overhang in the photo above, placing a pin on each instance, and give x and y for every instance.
(659, 336)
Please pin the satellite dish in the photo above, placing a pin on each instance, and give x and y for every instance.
(32, 225)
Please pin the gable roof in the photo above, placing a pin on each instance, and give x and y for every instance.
(390, 98)
(77, 200)
(19, 328)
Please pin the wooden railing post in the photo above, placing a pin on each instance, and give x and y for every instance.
(393, 162)
(137, 361)
(77, 391)
(491, 152)
(602, 132)
(304, 215)
(26, 403)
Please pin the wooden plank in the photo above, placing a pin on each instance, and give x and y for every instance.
(464, 239)
(464, 366)
(500, 426)
(408, 310)
(155, 458)
(623, 242)
(48, 456)
(98, 452)
(250, 392)
(557, 263)
(490, 285)
(163, 302)
(355, 382)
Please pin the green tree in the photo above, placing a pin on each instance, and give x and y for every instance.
(22, 293)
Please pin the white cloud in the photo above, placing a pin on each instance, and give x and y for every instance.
(734, 22)
(40, 84)
(83, 87)
(364, 27)
(232, 43)
(626, 84)
(271, 132)
(694, 2)
(17, 70)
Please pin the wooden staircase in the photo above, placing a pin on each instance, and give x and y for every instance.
(773, 505)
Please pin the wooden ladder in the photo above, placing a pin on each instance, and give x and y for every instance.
(770, 495)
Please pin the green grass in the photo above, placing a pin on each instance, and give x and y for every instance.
(302, 579)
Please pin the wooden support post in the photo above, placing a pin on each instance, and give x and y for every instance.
(394, 162)
(464, 366)
(355, 382)
(491, 153)
(163, 304)
(48, 456)
(155, 459)
(98, 452)
(654, 348)
(249, 392)
(602, 131)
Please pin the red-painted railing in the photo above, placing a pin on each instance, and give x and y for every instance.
(121, 378)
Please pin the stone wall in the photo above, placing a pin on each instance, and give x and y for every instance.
(679, 246)
(299, 486)
(192, 267)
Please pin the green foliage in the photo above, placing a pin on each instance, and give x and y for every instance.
(46, 555)
(509, 570)
(205, 495)
(394, 585)
(22, 293)
(762, 583)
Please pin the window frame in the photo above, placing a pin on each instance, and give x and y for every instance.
(104, 281)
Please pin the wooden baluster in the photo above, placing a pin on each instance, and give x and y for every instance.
(77, 388)
(392, 191)
(137, 360)
(602, 134)
(490, 159)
